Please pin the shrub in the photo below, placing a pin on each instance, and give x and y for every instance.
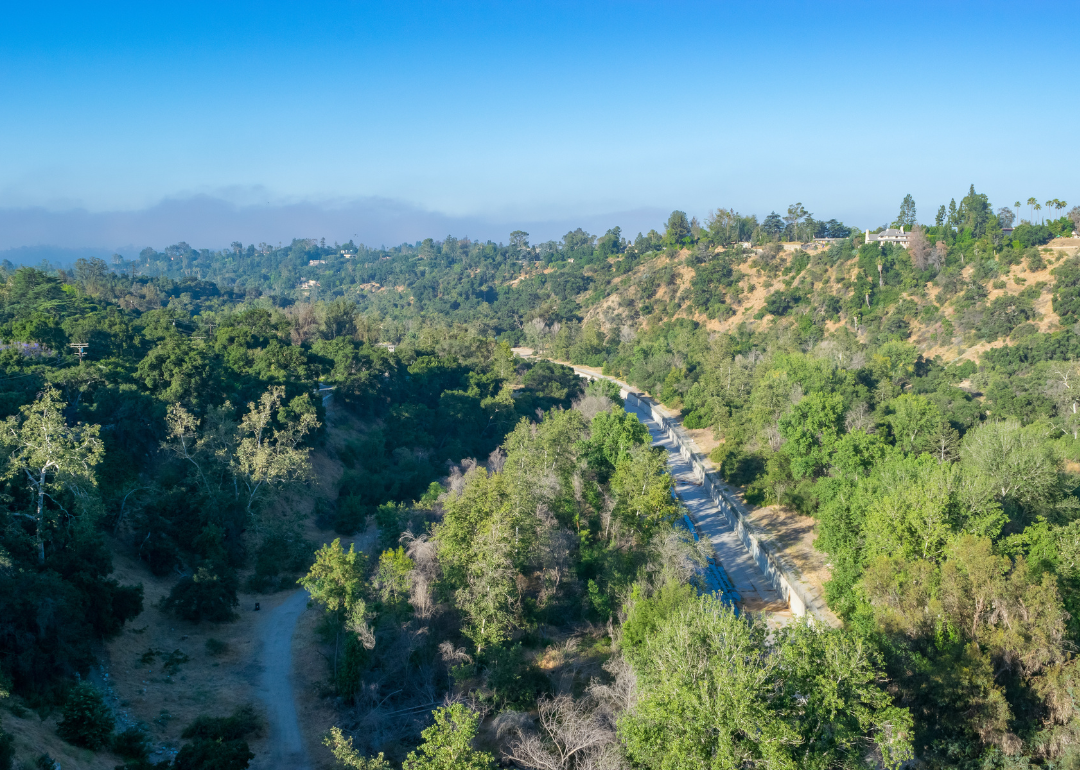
(515, 682)
(217, 742)
(281, 555)
(133, 743)
(213, 755)
(350, 515)
(86, 720)
(7, 750)
(1032, 235)
(216, 647)
(209, 594)
(781, 302)
(1035, 259)
(239, 724)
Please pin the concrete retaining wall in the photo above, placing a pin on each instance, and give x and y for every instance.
(783, 578)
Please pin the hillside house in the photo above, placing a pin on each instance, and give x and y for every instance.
(889, 235)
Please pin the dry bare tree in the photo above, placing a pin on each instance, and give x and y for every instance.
(919, 248)
(556, 543)
(591, 405)
(677, 555)
(456, 480)
(621, 693)
(572, 735)
(425, 572)
(1063, 386)
(937, 258)
(496, 460)
(858, 418)
(303, 322)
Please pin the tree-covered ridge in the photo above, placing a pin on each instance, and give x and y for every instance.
(178, 438)
(514, 287)
(918, 403)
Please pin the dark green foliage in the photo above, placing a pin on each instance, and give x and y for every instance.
(1032, 235)
(514, 683)
(209, 594)
(350, 515)
(243, 722)
(280, 557)
(86, 720)
(552, 384)
(216, 647)
(7, 749)
(217, 743)
(780, 303)
(1066, 301)
(132, 743)
(47, 622)
(710, 281)
(1003, 315)
(213, 755)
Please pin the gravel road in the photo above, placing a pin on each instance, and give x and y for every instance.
(286, 745)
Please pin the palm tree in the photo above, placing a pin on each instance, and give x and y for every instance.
(1038, 207)
(1032, 203)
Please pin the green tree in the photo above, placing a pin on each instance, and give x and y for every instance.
(678, 229)
(642, 489)
(336, 582)
(393, 578)
(915, 422)
(709, 697)
(772, 225)
(268, 457)
(487, 600)
(612, 434)
(916, 510)
(906, 217)
(343, 751)
(1016, 463)
(448, 744)
(795, 214)
(86, 720)
(811, 429)
(50, 457)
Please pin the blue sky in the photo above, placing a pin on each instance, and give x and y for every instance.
(125, 124)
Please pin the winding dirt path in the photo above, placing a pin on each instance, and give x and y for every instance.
(275, 689)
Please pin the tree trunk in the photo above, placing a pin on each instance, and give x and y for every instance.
(41, 518)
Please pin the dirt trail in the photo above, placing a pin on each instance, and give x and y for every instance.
(286, 743)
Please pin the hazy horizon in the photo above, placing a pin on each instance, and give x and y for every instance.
(395, 122)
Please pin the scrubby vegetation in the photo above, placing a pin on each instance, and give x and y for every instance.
(517, 568)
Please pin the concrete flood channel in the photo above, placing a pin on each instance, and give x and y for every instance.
(754, 588)
(761, 579)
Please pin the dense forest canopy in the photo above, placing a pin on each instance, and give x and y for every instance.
(918, 401)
